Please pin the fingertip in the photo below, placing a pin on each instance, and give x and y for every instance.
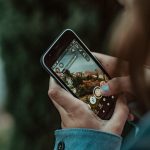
(105, 90)
(112, 87)
(53, 84)
(131, 117)
(49, 80)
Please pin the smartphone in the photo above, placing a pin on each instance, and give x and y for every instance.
(72, 65)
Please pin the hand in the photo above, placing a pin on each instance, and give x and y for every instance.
(118, 85)
(76, 114)
(120, 82)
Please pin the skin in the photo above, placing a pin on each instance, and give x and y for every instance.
(130, 40)
(130, 30)
(76, 114)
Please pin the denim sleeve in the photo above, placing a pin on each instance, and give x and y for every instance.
(86, 139)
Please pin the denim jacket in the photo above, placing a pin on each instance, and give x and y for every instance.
(88, 139)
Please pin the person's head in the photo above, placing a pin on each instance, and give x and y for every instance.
(130, 40)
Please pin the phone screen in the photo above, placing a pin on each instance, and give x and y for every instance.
(83, 77)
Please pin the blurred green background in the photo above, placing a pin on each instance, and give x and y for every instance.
(27, 28)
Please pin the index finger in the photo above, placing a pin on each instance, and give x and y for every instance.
(63, 98)
(120, 115)
(110, 63)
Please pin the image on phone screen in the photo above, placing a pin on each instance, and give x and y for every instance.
(82, 76)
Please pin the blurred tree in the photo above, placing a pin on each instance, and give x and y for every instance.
(27, 28)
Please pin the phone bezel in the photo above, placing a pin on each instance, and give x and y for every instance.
(50, 56)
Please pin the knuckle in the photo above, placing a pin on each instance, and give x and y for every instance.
(78, 108)
(115, 79)
(53, 93)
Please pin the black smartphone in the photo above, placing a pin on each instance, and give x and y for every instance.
(71, 64)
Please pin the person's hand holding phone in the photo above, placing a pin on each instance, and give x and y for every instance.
(77, 114)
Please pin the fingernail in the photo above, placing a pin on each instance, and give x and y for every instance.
(105, 89)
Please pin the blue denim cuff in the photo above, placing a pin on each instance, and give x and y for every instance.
(80, 139)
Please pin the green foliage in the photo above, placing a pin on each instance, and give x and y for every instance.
(27, 28)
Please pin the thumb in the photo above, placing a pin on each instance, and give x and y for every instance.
(116, 86)
(120, 115)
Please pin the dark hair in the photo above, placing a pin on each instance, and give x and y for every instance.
(130, 40)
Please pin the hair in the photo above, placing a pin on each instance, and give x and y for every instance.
(130, 40)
